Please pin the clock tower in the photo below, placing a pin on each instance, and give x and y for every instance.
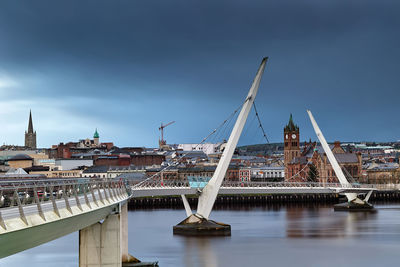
(291, 139)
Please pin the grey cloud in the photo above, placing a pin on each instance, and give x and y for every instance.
(135, 60)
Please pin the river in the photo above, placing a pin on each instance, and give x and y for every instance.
(286, 235)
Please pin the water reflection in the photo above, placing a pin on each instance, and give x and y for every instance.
(316, 220)
(198, 252)
(322, 222)
(273, 234)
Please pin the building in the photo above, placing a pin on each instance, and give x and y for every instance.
(190, 157)
(72, 164)
(85, 148)
(245, 174)
(90, 143)
(381, 173)
(96, 171)
(262, 174)
(232, 174)
(312, 164)
(104, 171)
(112, 160)
(20, 161)
(207, 148)
(291, 137)
(18, 174)
(268, 174)
(58, 173)
(30, 135)
(249, 160)
(147, 159)
(182, 173)
(126, 172)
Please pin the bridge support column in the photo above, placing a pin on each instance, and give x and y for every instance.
(125, 257)
(105, 244)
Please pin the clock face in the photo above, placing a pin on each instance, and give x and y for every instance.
(287, 136)
(293, 136)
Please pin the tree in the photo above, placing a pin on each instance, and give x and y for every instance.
(312, 173)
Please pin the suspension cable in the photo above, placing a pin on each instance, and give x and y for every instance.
(204, 139)
(259, 121)
(303, 169)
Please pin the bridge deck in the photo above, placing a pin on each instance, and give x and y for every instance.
(170, 188)
(25, 227)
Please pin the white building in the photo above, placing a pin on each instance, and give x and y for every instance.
(207, 148)
(113, 171)
(268, 173)
(263, 174)
(71, 164)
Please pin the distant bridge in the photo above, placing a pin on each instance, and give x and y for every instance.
(181, 187)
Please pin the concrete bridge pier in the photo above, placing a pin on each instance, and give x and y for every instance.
(106, 244)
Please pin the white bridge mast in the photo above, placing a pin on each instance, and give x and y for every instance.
(210, 191)
(338, 171)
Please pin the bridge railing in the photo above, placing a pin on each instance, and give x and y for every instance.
(172, 183)
(25, 192)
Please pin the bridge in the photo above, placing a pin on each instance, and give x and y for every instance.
(33, 212)
(182, 187)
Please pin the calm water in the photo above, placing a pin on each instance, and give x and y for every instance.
(261, 236)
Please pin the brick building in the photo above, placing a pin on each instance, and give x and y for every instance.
(298, 161)
(112, 160)
(291, 135)
(147, 159)
(67, 150)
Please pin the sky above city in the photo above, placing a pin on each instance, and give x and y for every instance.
(124, 67)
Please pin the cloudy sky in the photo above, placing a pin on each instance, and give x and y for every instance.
(126, 66)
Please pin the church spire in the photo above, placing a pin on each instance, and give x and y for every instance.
(30, 125)
(291, 126)
(30, 135)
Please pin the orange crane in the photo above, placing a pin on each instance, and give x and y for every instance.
(162, 142)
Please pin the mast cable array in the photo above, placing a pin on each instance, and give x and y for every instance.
(204, 139)
(259, 121)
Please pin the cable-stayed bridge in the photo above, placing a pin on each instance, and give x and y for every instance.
(183, 187)
(33, 212)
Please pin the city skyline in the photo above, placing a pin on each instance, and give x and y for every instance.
(226, 133)
(120, 70)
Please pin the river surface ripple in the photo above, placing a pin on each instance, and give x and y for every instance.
(287, 235)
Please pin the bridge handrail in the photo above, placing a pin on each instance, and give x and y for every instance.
(229, 184)
(41, 182)
(25, 192)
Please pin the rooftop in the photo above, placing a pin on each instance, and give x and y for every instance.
(20, 157)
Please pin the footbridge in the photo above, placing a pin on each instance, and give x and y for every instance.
(184, 187)
(33, 212)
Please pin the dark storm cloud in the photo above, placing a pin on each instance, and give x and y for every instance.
(158, 56)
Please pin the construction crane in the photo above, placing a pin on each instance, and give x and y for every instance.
(162, 142)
